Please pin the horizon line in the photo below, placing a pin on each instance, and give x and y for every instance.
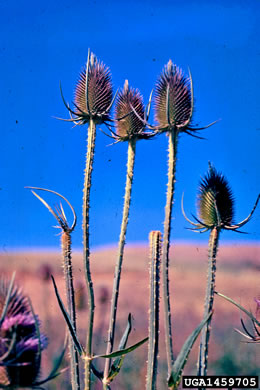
(96, 248)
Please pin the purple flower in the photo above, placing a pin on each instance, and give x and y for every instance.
(23, 320)
(21, 341)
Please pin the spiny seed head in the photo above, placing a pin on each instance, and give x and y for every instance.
(93, 93)
(173, 98)
(21, 365)
(215, 200)
(130, 126)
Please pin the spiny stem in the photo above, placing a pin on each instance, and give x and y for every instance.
(173, 138)
(153, 347)
(121, 245)
(86, 251)
(209, 300)
(68, 275)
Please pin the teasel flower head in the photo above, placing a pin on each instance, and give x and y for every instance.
(131, 115)
(215, 200)
(173, 101)
(216, 204)
(93, 97)
(21, 342)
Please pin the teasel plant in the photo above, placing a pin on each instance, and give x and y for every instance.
(155, 239)
(215, 213)
(249, 336)
(92, 104)
(21, 341)
(173, 105)
(66, 230)
(129, 128)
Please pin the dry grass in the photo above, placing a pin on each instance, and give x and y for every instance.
(237, 277)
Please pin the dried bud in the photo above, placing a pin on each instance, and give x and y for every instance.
(215, 200)
(20, 342)
(173, 99)
(129, 125)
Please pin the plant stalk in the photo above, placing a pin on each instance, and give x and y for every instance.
(173, 140)
(86, 250)
(209, 300)
(121, 245)
(68, 275)
(153, 346)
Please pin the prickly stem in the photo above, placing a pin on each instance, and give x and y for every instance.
(86, 250)
(68, 275)
(153, 346)
(209, 300)
(121, 245)
(173, 138)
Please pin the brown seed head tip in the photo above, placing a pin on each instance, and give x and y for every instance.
(155, 234)
(170, 66)
(93, 59)
(129, 125)
(126, 86)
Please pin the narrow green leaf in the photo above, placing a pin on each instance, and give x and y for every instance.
(7, 299)
(240, 307)
(182, 358)
(122, 351)
(115, 368)
(127, 332)
(117, 364)
(77, 343)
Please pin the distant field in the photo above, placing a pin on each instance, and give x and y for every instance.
(238, 276)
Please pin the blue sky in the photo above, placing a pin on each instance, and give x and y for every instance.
(47, 42)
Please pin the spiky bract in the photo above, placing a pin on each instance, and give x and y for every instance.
(129, 126)
(20, 342)
(93, 93)
(173, 99)
(215, 200)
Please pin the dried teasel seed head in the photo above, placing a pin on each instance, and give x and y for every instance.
(20, 361)
(173, 99)
(94, 92)
(215, 200)
(129, 125)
